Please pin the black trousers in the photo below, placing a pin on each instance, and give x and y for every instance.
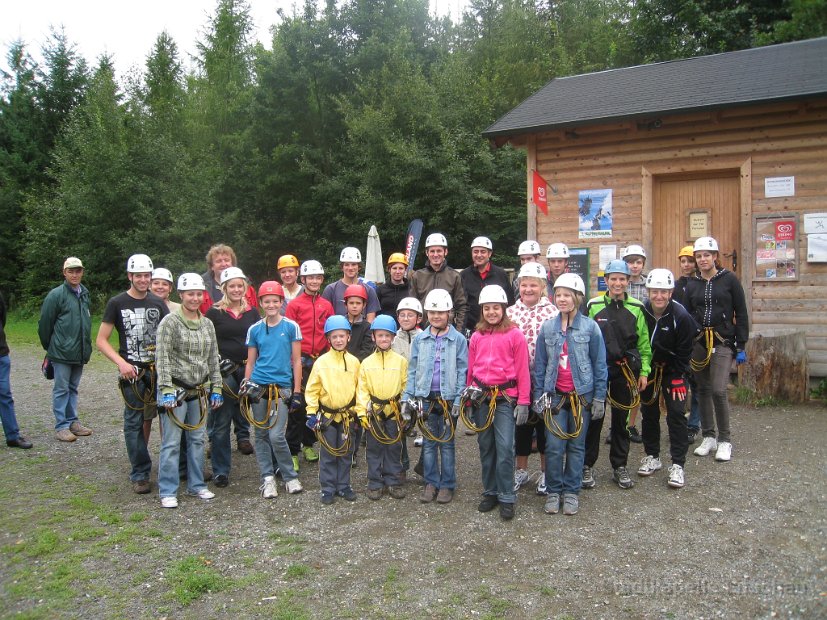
(619, 446)
(675, 423)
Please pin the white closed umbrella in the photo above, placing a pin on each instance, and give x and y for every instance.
(374, 267)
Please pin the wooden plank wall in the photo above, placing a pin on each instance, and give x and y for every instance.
(788, 139)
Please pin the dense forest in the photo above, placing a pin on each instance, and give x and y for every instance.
(359, 112)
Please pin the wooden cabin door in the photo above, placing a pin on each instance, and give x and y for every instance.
(680, 201)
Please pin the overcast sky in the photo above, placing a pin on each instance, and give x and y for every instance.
(127, 30)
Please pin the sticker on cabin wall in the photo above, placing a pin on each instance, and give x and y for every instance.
(595, 211)
(779, 187)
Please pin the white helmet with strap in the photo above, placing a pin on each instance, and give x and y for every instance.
(533, 270)
(557, 250)
(527, 248)
(350, 255)
(482, 242)
(660, 278)
(705, 244)
(409, 303)
(139, 263)
(493, 294)
(439, 300)
(633, 250)
(190, 282)
(311, 268)
(159, 273)
(230, 273)
(571, 281)
(436, 239)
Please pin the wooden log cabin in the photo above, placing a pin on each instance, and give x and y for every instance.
(731, 145)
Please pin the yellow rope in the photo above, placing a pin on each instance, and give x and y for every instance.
(272, 412)
(631, 381)
(376, 425)
(577, 414)
(657, 381)
(344, 449)
(492, 407)
(446, 413)
(203, 406)
(709, 341)
(148, 397)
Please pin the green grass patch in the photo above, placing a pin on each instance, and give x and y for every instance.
(747, 397)
(137, 517)
(548, 591)
(86, 532)
(45, 542)
(289, 606)
(297, 571)
(192, 577)
(287, 544)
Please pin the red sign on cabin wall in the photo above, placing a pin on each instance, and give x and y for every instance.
(785, 230)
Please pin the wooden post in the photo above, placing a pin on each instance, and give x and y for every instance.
(777, 366)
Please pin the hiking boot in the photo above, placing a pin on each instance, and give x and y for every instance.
(707, 445)
(66, 435)
(676, 477)
(506, 511)
(375, 493)
(488, 503)
(444, 496)
(244, 446)
(397, 491)
(552, 506)
(621, 476)
(428, 494)
(20, 442)
(202, 494)
(724, 452)
(296, 463)
(310, 455)
(571, 504)
(634, 436)
(327, 499)
(79, 429)
(542, 489)
(221, 481)
(520, 478)
(294, 486)
(649, 465)
(348, 494)
(169, 502)
(589, 481)
(141, 487)
(268, 488)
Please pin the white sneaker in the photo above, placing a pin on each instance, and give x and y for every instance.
(649, 465)
(294, 486)
(542, 489)
(520, 478)
(268, 489)
(707, 445)
(724, 452)
(676, 477)
(202, 494)
(419, 441)
(169, 502)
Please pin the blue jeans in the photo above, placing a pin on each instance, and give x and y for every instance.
(188, 413)
(442, 474)
(218, 429)
(568, 480)
(65, 394)
(7, 414)
(273, 441)
(694, 422)
(133, 434)
(496, 445)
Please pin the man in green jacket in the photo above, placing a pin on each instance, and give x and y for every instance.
(65, 330)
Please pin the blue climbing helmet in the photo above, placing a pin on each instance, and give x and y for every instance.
(385, 322)
(617, 265)
(337, 321)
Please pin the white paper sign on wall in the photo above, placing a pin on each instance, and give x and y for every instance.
(779, 187)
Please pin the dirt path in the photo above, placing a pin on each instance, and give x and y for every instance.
(745, 538)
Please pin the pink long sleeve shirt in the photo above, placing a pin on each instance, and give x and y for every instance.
(495, 358)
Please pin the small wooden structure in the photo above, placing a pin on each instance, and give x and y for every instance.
(731, 145)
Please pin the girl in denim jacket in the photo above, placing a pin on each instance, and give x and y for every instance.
(569, 368)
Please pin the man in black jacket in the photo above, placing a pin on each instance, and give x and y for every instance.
(482, 272)
(13, 437)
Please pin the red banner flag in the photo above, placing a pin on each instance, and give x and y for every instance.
(540, 193)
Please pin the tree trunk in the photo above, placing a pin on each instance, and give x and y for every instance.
(777, 366)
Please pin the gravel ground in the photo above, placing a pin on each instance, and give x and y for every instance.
(745, 538)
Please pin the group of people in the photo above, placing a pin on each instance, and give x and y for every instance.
(529, 364)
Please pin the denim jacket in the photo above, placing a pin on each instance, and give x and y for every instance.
(453, 366)
(587, 357)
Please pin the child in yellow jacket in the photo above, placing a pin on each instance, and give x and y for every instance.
(382, 378)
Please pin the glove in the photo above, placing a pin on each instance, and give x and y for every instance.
(540, 405)
(455, 412)
(405, 413)
(312, 422)
(216, 400)
(296, 403)
(740, 358)
(363, 421)
(168, 401)
(521, 414)
(678, 389)
(598, 409)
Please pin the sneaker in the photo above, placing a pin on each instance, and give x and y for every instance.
(520, 478)
(724, 452)
(419, 441)
(542, 489)
(589, 481)
(621, 476)
(327, 499)
(202, 494)
(294, 486)
(375, 493)
(296, 463)
(142, 487)
(571, 504)
(488, 503)
(169, 502)
(348, 494)
(707, 445)
(66, 435)
(244, 446)
(649, 465)
(692, 435)
(552, 506)
(310, 455)
(221, 481)
(676, 477)
(79, 429)
(634, 436)
(397, 491)
(268, 488)
(428, 494)
(444, 496)
(506, 511)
